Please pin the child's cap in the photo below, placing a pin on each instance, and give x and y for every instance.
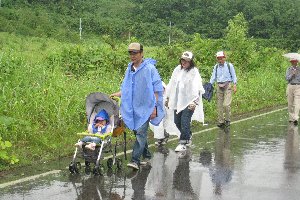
(102, 115)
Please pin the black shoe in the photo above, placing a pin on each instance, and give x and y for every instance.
(220, 125)
(227, 129)
(227, 123)
(296, 123)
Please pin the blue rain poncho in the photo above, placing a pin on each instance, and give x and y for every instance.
(138, 99)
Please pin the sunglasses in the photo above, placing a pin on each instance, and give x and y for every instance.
(133, 52)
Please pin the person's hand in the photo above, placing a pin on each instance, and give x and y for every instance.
(154, 113)
(234, 89)
(167, 103)
(116, 94)
(112, 95)
(192, 106)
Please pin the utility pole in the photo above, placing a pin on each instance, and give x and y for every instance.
(170, 33)
(80, 28)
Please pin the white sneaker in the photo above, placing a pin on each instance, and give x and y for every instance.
(189, 143)
(144, 162)
(133, 165)
(91, 146)
(180, 147)
(160, 142)
(79, 144)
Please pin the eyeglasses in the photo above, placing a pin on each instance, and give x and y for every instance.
(133, 52)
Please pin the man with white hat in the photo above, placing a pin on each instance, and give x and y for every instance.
(293, 91)
(224, 74)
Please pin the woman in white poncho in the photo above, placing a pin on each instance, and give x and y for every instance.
(184, 96)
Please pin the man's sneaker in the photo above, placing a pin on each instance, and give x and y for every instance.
(159, 142)
(144, 162)
(189, 142)
(79, 144)
(133, 165)
(167, 135)
(180, 147)
(91, 146)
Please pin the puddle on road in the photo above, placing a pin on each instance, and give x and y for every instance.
(252, 158)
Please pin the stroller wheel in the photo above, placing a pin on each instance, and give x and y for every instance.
(110, 163)
(87, 164)
(77, 167)
(98, 170)
(87, 170)
(119, 163)
(72, 168)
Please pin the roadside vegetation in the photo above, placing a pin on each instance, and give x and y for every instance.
(44, 83)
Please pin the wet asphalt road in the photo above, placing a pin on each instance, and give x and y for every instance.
(257, 159)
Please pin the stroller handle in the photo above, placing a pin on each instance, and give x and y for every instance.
(117, 99)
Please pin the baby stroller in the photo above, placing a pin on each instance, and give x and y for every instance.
(94, 103)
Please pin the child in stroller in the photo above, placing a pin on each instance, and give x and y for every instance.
(100, 125)
(102, 117)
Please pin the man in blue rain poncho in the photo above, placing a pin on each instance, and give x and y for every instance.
(141, 101)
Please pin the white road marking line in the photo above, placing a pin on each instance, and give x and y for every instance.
(28, 178)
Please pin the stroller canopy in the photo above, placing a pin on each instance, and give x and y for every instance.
(98, 101)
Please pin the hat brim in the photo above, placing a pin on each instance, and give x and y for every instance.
(134, 50)
(99, 119)
(185, 58)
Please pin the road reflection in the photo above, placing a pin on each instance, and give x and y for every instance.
(292, 152)
(221, 172)
(254, 159)
(138, 182)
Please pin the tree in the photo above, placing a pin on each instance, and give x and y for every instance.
(241, 48)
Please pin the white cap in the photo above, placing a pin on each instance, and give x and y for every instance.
(220, 54)
(187, 55)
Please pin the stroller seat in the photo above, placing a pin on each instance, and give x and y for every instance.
(94, 103)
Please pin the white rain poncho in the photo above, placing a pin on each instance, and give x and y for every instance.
(184, 88)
